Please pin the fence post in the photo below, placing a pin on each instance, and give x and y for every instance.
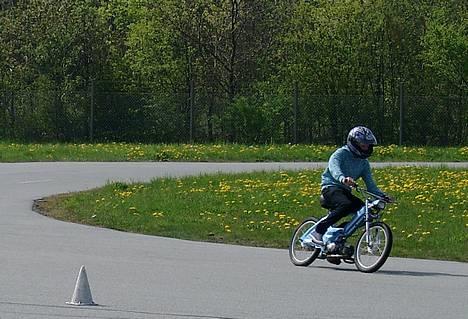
(382, 117)
(190, 97)
(401, 114)
(295, 110)
(91, 112)
(191, 102)
(13, 115)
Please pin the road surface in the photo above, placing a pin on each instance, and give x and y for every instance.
(137, 276)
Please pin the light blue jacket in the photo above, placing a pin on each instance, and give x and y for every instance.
(343, 163)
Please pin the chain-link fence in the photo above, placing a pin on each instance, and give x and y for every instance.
(208, 116)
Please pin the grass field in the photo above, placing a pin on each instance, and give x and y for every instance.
(17, 152)
(429, 220)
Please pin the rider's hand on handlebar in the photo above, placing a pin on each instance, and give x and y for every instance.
(389, 199)
(349, 181)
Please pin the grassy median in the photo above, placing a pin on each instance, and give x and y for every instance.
(429, 220)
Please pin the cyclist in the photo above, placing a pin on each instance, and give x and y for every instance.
(345, 166)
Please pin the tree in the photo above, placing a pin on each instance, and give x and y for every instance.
(445, 46)
(55, 46)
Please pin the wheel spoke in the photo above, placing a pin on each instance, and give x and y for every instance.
(370, 256)
(302, 254)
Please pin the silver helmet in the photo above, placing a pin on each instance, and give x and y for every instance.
(361, 135)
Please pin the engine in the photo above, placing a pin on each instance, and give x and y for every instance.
(340, 247)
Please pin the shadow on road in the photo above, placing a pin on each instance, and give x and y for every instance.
(402, 272)
(419, 273)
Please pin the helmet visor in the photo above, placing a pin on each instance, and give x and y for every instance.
(369, 139)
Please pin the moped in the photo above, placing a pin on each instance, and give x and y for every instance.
(373, 245)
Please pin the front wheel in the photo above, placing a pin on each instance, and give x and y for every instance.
(370, 256)
(300, 253)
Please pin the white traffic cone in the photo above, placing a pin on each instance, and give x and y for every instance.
(82, 294)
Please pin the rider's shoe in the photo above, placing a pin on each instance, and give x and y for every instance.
(316, 238)
(334, 260)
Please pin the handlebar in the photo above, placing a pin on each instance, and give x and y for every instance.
(361, 190)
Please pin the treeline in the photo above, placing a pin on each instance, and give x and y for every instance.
(234, 70)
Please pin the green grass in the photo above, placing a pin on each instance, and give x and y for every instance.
(17, 152)
(429, 220)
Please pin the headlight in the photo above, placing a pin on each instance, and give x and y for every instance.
(378, 204)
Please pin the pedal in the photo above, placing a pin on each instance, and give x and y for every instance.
(334, 260)
(349, 260)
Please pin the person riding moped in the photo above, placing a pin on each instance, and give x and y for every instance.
(345, 166)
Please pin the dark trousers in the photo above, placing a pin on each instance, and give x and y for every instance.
(340, 202)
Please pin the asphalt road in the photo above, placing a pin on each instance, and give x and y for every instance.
(136, 276)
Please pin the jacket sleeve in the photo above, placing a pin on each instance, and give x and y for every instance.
(334, 166)
(369, 180)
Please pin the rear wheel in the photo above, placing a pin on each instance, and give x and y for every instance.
(369, 257)
(300, 253)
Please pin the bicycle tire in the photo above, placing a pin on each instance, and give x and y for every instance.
(380, 245)
(302, 255)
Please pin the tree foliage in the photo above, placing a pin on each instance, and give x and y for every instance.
(234, 70)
